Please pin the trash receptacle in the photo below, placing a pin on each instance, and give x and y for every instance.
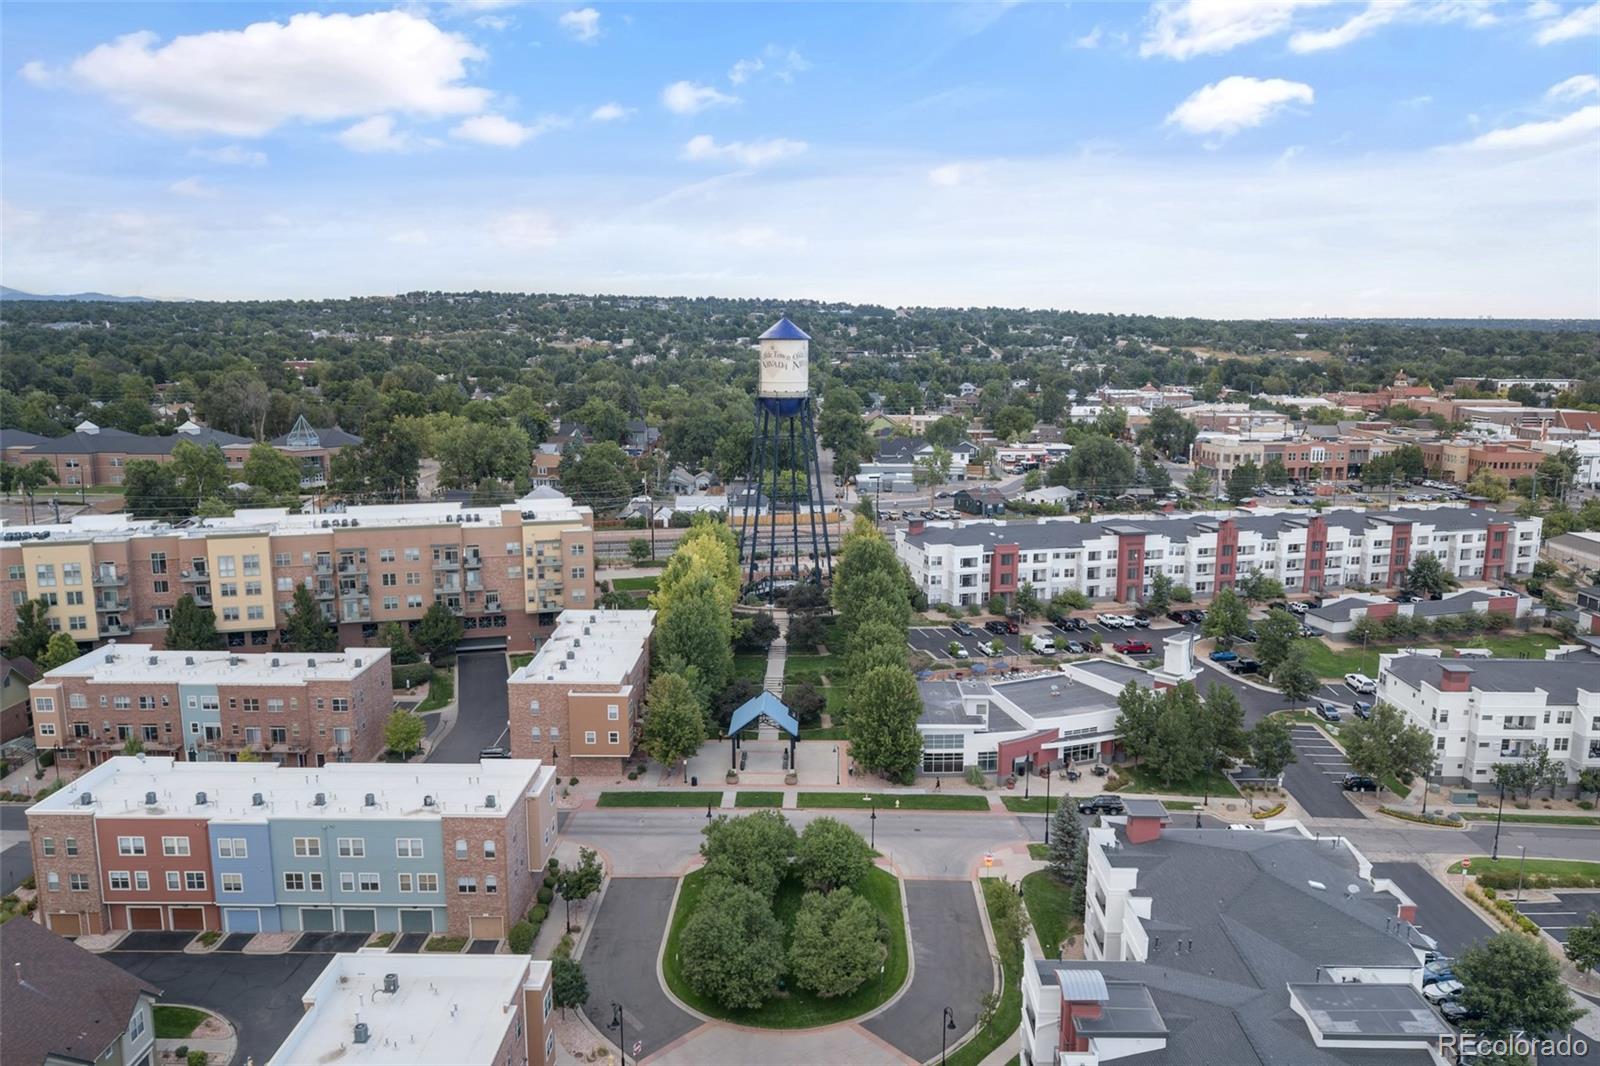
(695, 781)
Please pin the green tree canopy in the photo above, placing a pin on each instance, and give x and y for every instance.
(1427, 576)
(674, 720)
(61, 650)
(1277, 634)
(831, 855)
(1227, 618)
(882, 722)
(837, 943)
(192, 627)
(305, 628)
(32, 633)
(731, 947)
(404, 730)
(1242, 480)
(1514, 983)
(753, 850)
(438, 631)
(1272, 745)
(1386, 745)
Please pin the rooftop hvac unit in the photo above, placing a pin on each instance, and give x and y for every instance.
(149, 799)
(188, 660)
(489, 801)
(363, 1033)
(427, 801)
(320, 800)
(200, 799)
(257, 800)
(371, 800)
(274, 662)
(154, 660)
(391, 983)
(86, 799)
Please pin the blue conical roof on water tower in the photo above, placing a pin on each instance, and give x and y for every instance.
(784, 330)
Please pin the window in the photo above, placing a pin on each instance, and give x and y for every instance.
(612, 712)
(136, 1028)
(174, 881)
(613, 737)
(533, 706)
(536, 733)
(130, 845)
(141, 880)
(307, 847)
(47, 729)
(408, 848)
(461, 847)
(341, 705)
(467, 885)
(120, 881)
(491, 884)
(347, 882)
(588, 737)
(47, 845)
(52, 882)
(352, 847)
(232, 882)
(232, 848)
(294, 882)
(174, 845)
(195, 880)
(72, 846)
(488, 849)
(403, 882)
(369, 882)
(427, 882)
(78, 882)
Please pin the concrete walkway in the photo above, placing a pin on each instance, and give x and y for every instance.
(777, 656)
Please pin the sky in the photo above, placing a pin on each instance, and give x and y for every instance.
(1217, 158)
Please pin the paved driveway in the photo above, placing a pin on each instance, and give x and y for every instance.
(1313, 779)
(152, 940)
(952, 969)
(1440, 914)
(260, 994)
(328, 943)
(620, 962)
(16, 864)
(480, 708)
(1568, 911)
(410, 943)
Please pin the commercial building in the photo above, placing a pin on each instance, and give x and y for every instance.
(298, 709)
(577, 702)
(1484, 711)
(142, 842)
(60, 1004)
(1117, 558)
(1338, 617)
(425, 1010)
(1251, 947)
(507, 570)
(1461, 460)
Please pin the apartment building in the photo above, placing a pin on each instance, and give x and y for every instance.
(297, 709)
(1461, 460)
(1338, 617)
(1250, 947)
(1484, 711)
(577, 702)
(1116, 558)
(426, 1010)
(144, 842)
(508, 570)
(1309, 458)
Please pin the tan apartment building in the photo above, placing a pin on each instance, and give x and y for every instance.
(1306, 459)
(508, 570)
(1460, 460)
(292, 708)
(577, 703)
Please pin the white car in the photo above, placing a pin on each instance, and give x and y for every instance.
(1361, 683)
(1109, 621)
(1126, 622)
(1440, 991)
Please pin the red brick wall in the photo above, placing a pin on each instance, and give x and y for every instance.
(1316, 551)
(59, 827)
(154, 862)
(1227, 558)
(461, 907)
(1003, 564)
(1400, 548)
(1130, 567)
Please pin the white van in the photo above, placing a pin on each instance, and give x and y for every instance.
(1040, 644)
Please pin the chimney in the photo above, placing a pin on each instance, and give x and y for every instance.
(1145, 819)
(1083, 997)
(915, 526)
(1454, 678)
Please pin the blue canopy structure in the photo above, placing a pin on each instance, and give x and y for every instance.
(765, 705)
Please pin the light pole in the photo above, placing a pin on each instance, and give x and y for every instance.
(1027, 773)
(708, 810)
(620, 1026)
(944, 1032)
(1047, 809)
(1498, 811)
(873, 800)
(836, 764)
(1522, 861)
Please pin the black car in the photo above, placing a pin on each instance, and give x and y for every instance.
(1078, 625)
(1102, 805)
(1180, 617)
(1457, 1013)
(1362, 708)
(1359, 783)
(997, 628)
(1245, 666)
(963, 629)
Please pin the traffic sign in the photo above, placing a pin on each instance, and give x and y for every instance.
(638, 1048)
(1466, 864)
(988, 858)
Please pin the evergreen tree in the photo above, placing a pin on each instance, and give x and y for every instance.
(1069, 852)
(305, 628)
(192, 627)
(32, 633)
(61, 650)
(438, 631)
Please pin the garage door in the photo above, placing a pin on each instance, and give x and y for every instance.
(145, 918)
(316, 919)
(416, 921)
(239, 921)
(66, 924)
(188, 918)
(486, 928)
(360, 921)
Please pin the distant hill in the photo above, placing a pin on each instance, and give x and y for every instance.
(73, 297)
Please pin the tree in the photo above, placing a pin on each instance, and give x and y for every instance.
(1182, 747)
(1223, 725)
(836, 943)
(568, 985)
(638, 550)
(674, 720)
(1409, 461)
(403, 732)
(830, 855)
(1427, 576)
(933, 469)
(1297, 680)
(1155, 477)
(1256, 587)
(438, 631)
(305, 628)
(150, 490)
(61, 650)
(1588, 782)
(1099, 465)
(1069, 852)
(1226, 618)
(869, 583)
(1170, 432)
(192, 627)
(731, 947)
(581, 881)
(1138, 712)
(393, 636)
(1014, 422)
(1583, 944)
(1276, 634)
(1272, 746)
(1387, 745)
(1379, 471)
(271, 474)
(754, 850)
(1198, 483)
(32, 633)
(1489, 485)
(1160, 599)
(132, 746)
(1274, 472)
(694, 638)
(1007, 915)
(1242, 480)
(472, 453)
(882, 721)
(1516, 777)
(202, 471)
(600, 475)
(1514, 983)
(946, 431)
(28, 478)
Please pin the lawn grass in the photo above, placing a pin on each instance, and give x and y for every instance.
(794, 1009)
(758, 799)
(1334, 664)
(630, 798)
(1140, 779)
(1482, 864)
(634, 584)
(1034, 804)
(519, 661)
(750, 667)
(832, 732)
(1008, 1014)
(835, 695)
(1050, 907)
(177, 1023)
(1393, 784)
(1535, 819)
(441, 690)
(800, 667)
(1038, 851)
(887, 802)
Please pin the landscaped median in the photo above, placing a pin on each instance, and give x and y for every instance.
(1503, 873)
(758, 799)
(1533, 819)
(888, 801)
(1438, 821)
(642, 798)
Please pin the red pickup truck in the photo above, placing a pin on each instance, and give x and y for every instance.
(1132, 647)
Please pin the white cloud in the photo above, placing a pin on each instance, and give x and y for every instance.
(1580, 22)
(524, 229)
(1574, 88)
(231, 155)
(1090, 39)
(1577, 127)
(583, 24)
(950, 175)
(1378, 13)
(775, 62)
(1415, 102)
(1183, 30)
(690, 98)
(745, 153)
(742, 71)
(410, 237)
(377, 134)
(1237, 103)
(610, 112)
(497, 131)
(1543, 9)
(313, 68)
(193, 188)
(37, 73)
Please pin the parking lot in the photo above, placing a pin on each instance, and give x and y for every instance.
(936, 642)
(1567, 911)
(1314, 777)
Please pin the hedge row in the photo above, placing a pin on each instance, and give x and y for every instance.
(1503, 911)
(1502, 879)
(411, 674)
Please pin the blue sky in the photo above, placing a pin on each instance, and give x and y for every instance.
(1221, 158)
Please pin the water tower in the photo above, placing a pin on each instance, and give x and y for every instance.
(784, 534)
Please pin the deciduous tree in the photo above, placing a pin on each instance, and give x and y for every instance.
(32, 633)
(674, 720)
(1226, 618)
(836, 943)
(731, 947)
(403, 732)
(882, 722)
(1272, 745)
(753, 850)
(831, 855)
(1385, 745)
(61, 650)
(1514, 983)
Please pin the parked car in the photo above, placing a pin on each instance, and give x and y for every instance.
(1363, 709)
(1358, 783)
(1298, 608)
(1221, 656)
(1328, 712)
(1074, 648)
(494, 753)
(1245, 666)
(1250, 637)
(1132, 647)
(1142, 621)
(1078, 624)
(1105, 804)
(1440, 991)
(1040, 644)
(1458, 1013)
(1307, 631)
(963, 629)
(1360, 683)
(996, 627)
(1180, 617)
(1440, 969)
(1109, 621)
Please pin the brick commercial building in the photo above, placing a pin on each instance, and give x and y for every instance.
(294, 708)
(426, 1010)
(1461, 460)
(149, 843)
(577, 703)
(506, 569)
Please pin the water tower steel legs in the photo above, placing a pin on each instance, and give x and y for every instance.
(784, 443)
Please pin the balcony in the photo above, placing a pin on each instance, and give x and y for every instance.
(352, 566)
(324, 566)
(115, 629)
(105, 579)
(448, 562)
(473, 562)
(113, 603)
(202, 595)
(323, 592)
(362, 589)
(194, 575)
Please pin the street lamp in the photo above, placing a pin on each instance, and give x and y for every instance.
(873, 800)
(1027, 773)
(1047, 807)
(836, 764)
(944, 1032)
(620, 1026)
(1522, 861)
(1498, 811)
(708, 810)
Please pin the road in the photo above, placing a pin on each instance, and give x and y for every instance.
(481, 715)
(620, 963)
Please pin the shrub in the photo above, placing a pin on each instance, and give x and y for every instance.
(546, 895)
(539, 913)
(47, 757)
(520, 939)
(553, 866)
(209, 937)
(1269, 812)
(1586, 805)
(976, 778)
(196, 1058)
(411, 674)
(181, 1051)
(573, 782)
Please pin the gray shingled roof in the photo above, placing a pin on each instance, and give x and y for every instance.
(119, 441)
(1562, 679)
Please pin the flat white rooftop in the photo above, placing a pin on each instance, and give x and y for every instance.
(589, 648)
(139, 663)
(449, 1010)
(120, 786)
